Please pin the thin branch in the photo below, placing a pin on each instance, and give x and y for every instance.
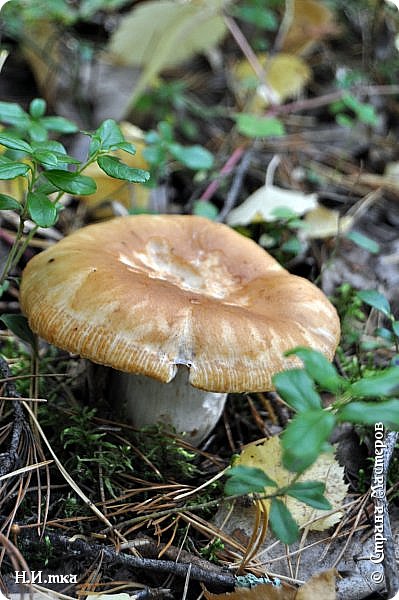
(9, 459)
(79, 547)
(236, 185)
(318, 101)
(225, 170)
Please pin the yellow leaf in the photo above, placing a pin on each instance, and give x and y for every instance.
(162, 33)
(268, 457)
(129, 195)
(14, 187)
(323, 222)
(311, 21)
(285, 76)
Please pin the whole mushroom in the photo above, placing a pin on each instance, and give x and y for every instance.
(187, 309)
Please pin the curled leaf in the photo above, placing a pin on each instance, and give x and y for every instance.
(262, 204)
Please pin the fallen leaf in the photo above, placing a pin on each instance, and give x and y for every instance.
(311, 21)
(324, 222)
(163, 33)
(321, 585)
(262, 204)
(268, 457)
(47, 43)
(285, 76)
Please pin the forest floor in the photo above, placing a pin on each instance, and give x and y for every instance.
(300, 96)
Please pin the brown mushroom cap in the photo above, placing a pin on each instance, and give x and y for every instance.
(146, 293)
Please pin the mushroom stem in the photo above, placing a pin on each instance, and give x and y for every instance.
(177, 404)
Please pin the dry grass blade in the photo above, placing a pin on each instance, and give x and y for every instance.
(257, 537)
(22, 398)
(202, 486)
(23, 470)
(212, 531)
(17, 560)
(50, 594)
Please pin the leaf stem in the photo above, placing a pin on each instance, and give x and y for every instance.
(13, 252)
(24, 245)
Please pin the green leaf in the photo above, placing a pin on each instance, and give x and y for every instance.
(56, 149)
(88, 7)
(50, 146)
(195, 157)
(42, 211)
(311, 493)
(152, 137)
(363, 241)
(166, 131)
(37, 132)
(154, 155)
(113, 167)
(364, 111)
(45, 158)
(37, 108)
(125, 146)
(9, 203)
(254, 126)
(384, 333)
(65, 158)
(320, 369)
(246, 480)
(59, 124)
(368, 413)
(10, 169)
(18, 324)
(4, 287)
(305, 437)
(376, 300)
(45, 187)
(344, 120)
(203, 208)
(282, 522)
(292, 245)
(71, 182)
(284, 213)
(395, 327)
(258, 15)
(12, 114)
(297, 389)
(14, 142)
(53, 160)
(109, 134)
(383, 383)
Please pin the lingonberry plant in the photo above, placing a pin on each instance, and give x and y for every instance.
(369, 399)
(44, 172)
